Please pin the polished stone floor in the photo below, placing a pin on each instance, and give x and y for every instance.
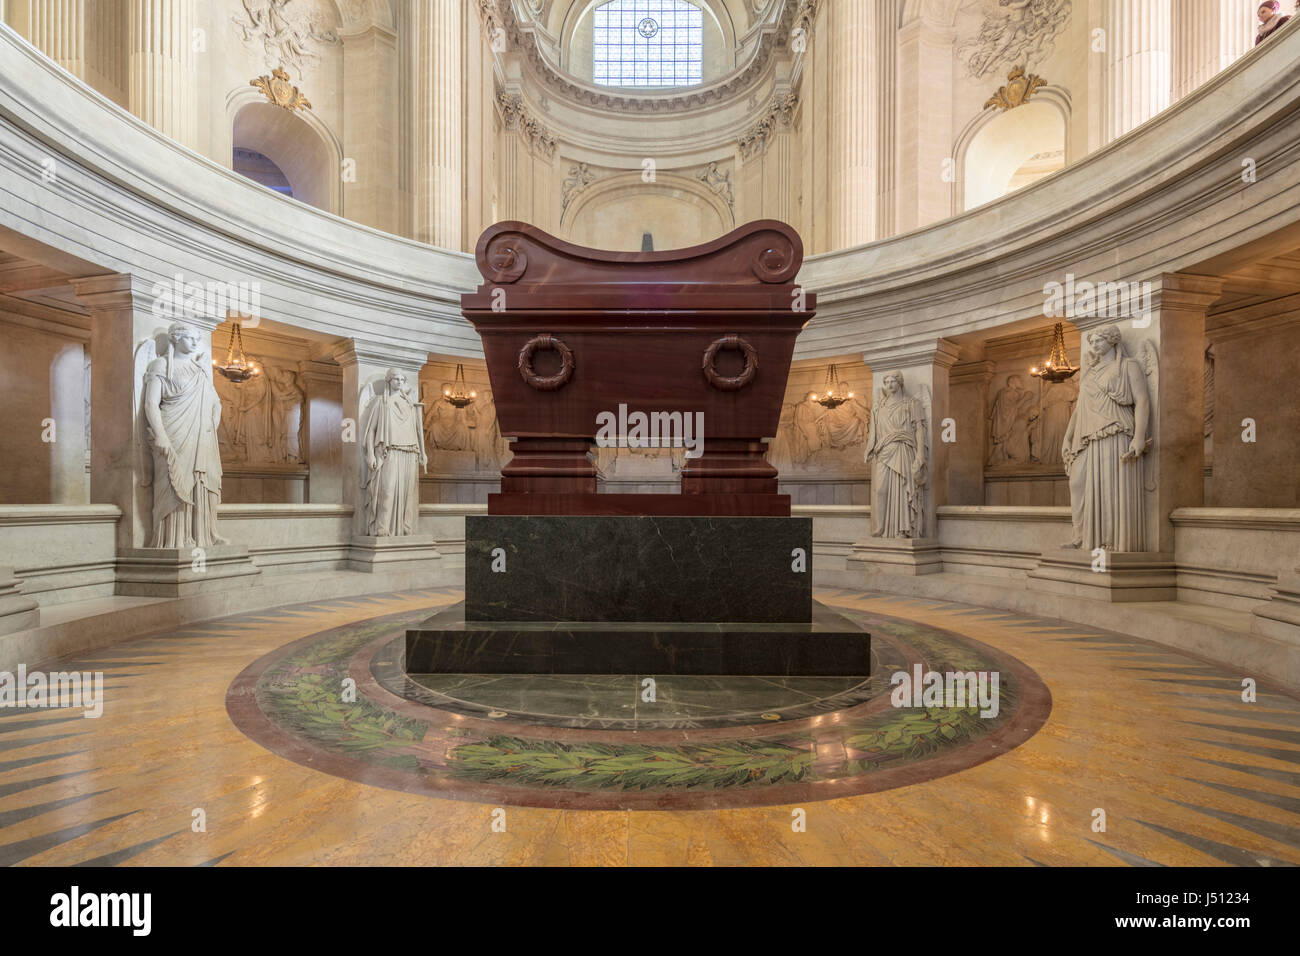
(223, 718)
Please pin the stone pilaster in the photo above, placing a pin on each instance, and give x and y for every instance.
(968, 389)
(370, 124)
(1137, 72)
(322, 384)
(1256, 364)
(162, 84)
(437, 122)
(122, 318)
(1208, 36)
(924, 123)
(925, 370)
(55, 27)
(364, 368)
(851, 32)
(1174, 332)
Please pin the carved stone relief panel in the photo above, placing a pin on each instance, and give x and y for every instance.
(815, 441)
(288, 32)
(461, 442)
(1014, 32)
(262, 418)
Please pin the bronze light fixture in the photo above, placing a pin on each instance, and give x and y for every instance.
(1057, 368)
(834, 395)
(459, 395)
(239, 367)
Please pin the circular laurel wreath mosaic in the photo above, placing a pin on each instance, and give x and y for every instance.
(595, 743)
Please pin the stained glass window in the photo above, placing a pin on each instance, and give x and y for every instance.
(648, 43)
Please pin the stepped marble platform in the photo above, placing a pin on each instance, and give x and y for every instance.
(639, 595)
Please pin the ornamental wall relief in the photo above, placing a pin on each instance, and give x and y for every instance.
(814, 440)
(262, 418)
(288, 32)
(1014, 31)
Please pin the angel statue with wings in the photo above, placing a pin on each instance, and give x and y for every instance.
(1105, 443)
(179, 412)
(897, 448)
(392, 441)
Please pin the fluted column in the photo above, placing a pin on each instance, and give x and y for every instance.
(437, 122)
(1138, 42)
(1208, 36)
(55, 27)
(854, 119)
(161, 84)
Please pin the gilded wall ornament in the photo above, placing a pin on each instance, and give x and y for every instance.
(1019, 87)
(278, 90)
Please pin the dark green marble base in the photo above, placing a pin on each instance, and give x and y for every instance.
(637, 569)
(830, 646)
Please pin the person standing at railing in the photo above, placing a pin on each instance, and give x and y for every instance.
(1270, 20)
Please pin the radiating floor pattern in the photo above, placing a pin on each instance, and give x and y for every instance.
(1157, 743)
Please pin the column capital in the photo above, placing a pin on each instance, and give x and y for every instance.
(351, 352)
(1185, 292)
(114, 290)
(968, 373)
(315, 372)
(936, 351)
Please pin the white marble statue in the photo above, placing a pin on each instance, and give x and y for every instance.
(392, 443)
(179, 415)
(897, 449)
(1105, 442)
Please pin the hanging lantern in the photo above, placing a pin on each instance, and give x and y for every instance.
(238, 368)
(833, 395)
(1057, 368)
(459, 395)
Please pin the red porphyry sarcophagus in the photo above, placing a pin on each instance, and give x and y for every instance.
(570, 333)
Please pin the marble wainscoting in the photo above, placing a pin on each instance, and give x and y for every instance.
(1231, 557)
(61, 553)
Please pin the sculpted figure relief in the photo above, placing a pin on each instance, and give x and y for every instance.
(1055, 409)
(1015, 32)
(179, 415)
(811, 437)
(897, 449)
(261, 418)
(1009, 422)
(1105, 443)
(392, 443)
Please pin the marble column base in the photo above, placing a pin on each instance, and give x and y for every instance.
(17, 611)
(830, 645)
(1129, 576)
(410, 552)
(896, 556)
(1280, 617)
(170, 572)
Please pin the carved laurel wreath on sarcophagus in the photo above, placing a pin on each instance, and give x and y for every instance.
(769, 252)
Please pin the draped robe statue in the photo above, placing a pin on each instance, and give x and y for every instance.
(896, 446)
(181, 413)
(392, 441)
(1105, 442)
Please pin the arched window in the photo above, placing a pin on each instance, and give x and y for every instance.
(647, 43)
